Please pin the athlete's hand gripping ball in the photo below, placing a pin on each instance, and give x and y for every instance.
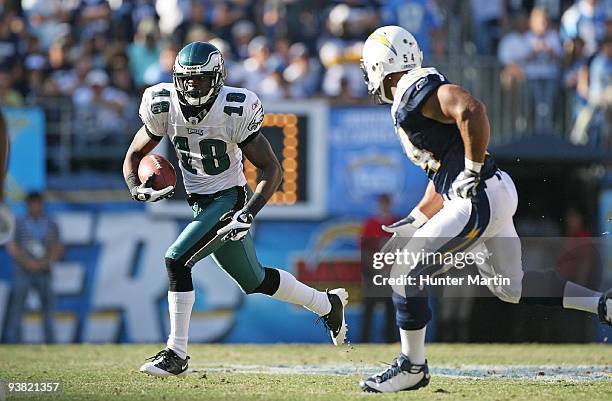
(145, 193)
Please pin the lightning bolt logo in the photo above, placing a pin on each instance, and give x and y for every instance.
(384, 41)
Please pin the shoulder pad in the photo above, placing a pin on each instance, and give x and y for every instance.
(155, 106)
(415, 88)
(245, 108)
(415, 76)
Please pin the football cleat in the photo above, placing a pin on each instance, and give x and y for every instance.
(334, 321)
(401, 375)
(165, 363)
(605, 308)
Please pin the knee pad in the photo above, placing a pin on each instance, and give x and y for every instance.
(270, 283)
(179, 276)
(411, 313)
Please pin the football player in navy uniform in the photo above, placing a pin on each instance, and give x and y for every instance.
(469, 201)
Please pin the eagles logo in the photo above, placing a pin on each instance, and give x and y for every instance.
(195, 131)
(257, 119)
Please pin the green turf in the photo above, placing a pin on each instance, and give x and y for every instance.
(110, 372)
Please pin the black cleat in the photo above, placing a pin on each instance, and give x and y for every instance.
(334, 321)
(402, 375)
(165, 363)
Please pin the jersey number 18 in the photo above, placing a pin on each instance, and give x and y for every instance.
(214, 155)
(214, 152)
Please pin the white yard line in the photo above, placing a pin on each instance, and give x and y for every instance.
(534, 372)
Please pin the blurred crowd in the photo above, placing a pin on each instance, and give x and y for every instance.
(556, 49)
(102, 53)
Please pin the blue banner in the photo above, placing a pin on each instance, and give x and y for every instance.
(365, 160)
(26, 169)
(111, 285)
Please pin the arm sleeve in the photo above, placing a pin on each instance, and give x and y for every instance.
(154, 113)
(251, 121)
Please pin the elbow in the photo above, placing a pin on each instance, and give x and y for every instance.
(132, 158)
(127, 164)
(126, 160)
(481, 108)
(473, 109)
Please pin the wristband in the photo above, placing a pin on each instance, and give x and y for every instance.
(255, 204)
(132, 181)
(419, 217)
(472, 165)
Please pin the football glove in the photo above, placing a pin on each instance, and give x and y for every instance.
(407, 226)
(144, 192)
(403, 230)
(238, 227)
(7, 224)
(467, 181)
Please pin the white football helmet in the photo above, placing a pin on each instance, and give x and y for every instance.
(387, 50)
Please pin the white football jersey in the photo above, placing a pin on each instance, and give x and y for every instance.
(207, 147)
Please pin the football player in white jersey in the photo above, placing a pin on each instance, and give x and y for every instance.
(211, 127)
(469, 202)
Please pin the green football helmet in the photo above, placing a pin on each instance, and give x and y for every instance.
(198, 73)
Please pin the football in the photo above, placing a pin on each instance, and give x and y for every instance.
(163, 172)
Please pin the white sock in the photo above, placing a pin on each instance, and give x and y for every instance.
(581, 298)
(413, 345)
(179, 306)
(291, 290)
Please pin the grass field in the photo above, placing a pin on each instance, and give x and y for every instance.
(315, 372)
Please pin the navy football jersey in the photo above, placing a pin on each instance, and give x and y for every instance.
(434, 146)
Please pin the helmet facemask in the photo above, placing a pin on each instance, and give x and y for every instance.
(375, 81)
(197, 89)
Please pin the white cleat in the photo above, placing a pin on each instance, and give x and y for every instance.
(335, 321)
(402, 375)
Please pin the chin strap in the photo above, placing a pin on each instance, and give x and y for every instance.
(382, 95)
(210, 96)
(198, 112)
